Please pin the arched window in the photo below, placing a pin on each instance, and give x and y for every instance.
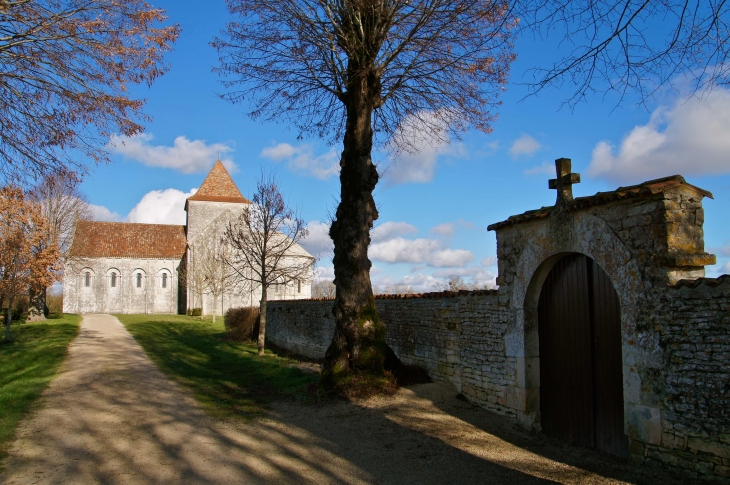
(87, 279)
(164, 280)
(139, 280)
(299, 286)
(114, 280)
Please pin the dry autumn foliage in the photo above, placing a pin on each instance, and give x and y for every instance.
(27, 259)
(65, 70)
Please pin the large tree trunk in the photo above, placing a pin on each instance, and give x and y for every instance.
(37, 309)
(359, 340)
(262, 320)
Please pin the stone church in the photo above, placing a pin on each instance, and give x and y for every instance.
(120, 267)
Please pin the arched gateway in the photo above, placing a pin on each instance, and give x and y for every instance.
(579, 326)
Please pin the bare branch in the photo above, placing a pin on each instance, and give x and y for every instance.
(65, 69)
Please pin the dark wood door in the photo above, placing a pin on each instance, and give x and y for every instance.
(581, 384)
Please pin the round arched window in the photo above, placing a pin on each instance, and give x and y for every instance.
(164, 280)
(114, 280)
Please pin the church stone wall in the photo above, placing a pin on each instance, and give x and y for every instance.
(200, 215)
(125, 297)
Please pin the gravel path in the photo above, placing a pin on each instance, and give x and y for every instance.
(112, 417)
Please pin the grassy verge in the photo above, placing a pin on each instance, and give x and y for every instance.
(228, 378)
(27, 364)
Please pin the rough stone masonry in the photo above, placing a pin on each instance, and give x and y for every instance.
(675, 323)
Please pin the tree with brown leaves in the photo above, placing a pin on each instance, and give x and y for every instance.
(65, 70)
(26, 257)
(265, 245)
(365, 72)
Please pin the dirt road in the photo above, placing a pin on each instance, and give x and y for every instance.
(112, 417)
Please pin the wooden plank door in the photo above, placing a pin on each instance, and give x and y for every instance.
(581, 389)
(607, 364)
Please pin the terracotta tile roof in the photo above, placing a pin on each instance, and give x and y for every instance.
(711, 282)
(218, 186)
(645, 189)
(127, 240)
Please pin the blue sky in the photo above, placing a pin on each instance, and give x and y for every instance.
(434, 206)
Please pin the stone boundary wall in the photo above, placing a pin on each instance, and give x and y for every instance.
(457, 336)
(460, 338)
(694, 326)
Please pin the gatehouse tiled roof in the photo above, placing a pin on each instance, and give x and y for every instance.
(645, 189)
(128, 240)
(218, 186)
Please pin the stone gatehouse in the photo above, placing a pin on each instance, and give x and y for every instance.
(604, 330)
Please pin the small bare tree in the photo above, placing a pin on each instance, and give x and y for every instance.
(62, 205)
(324, 289)
(212, 273)
(265, 241)
(398, 289)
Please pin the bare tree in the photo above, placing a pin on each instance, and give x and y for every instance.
(365, 72)
(324, 289)
(631, 46)
(211, 270)
(457, 283)
(65, 71)
(62, 205)
(398, 289)
(265, 241)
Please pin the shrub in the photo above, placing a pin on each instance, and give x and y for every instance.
(242, 323)
(54, 303)
(195, 312)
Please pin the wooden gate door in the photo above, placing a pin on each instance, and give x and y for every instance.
(581, 384)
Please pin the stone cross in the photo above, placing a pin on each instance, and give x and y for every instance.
(564, 182)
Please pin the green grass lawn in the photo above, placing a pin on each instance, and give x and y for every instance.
(27, 364)
(228, 378)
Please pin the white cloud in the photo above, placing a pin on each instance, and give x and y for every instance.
(417, 143)
(389, 230)
(524, 145)
(318, 242)
(690, 138)
(428, 251)
(447, 229)
(324, 273)
(420, 283)
(302, 159)
(725, 268)
(161, 207)
(101, 213)
(489, 261)
(185, 155)
(546, 168)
